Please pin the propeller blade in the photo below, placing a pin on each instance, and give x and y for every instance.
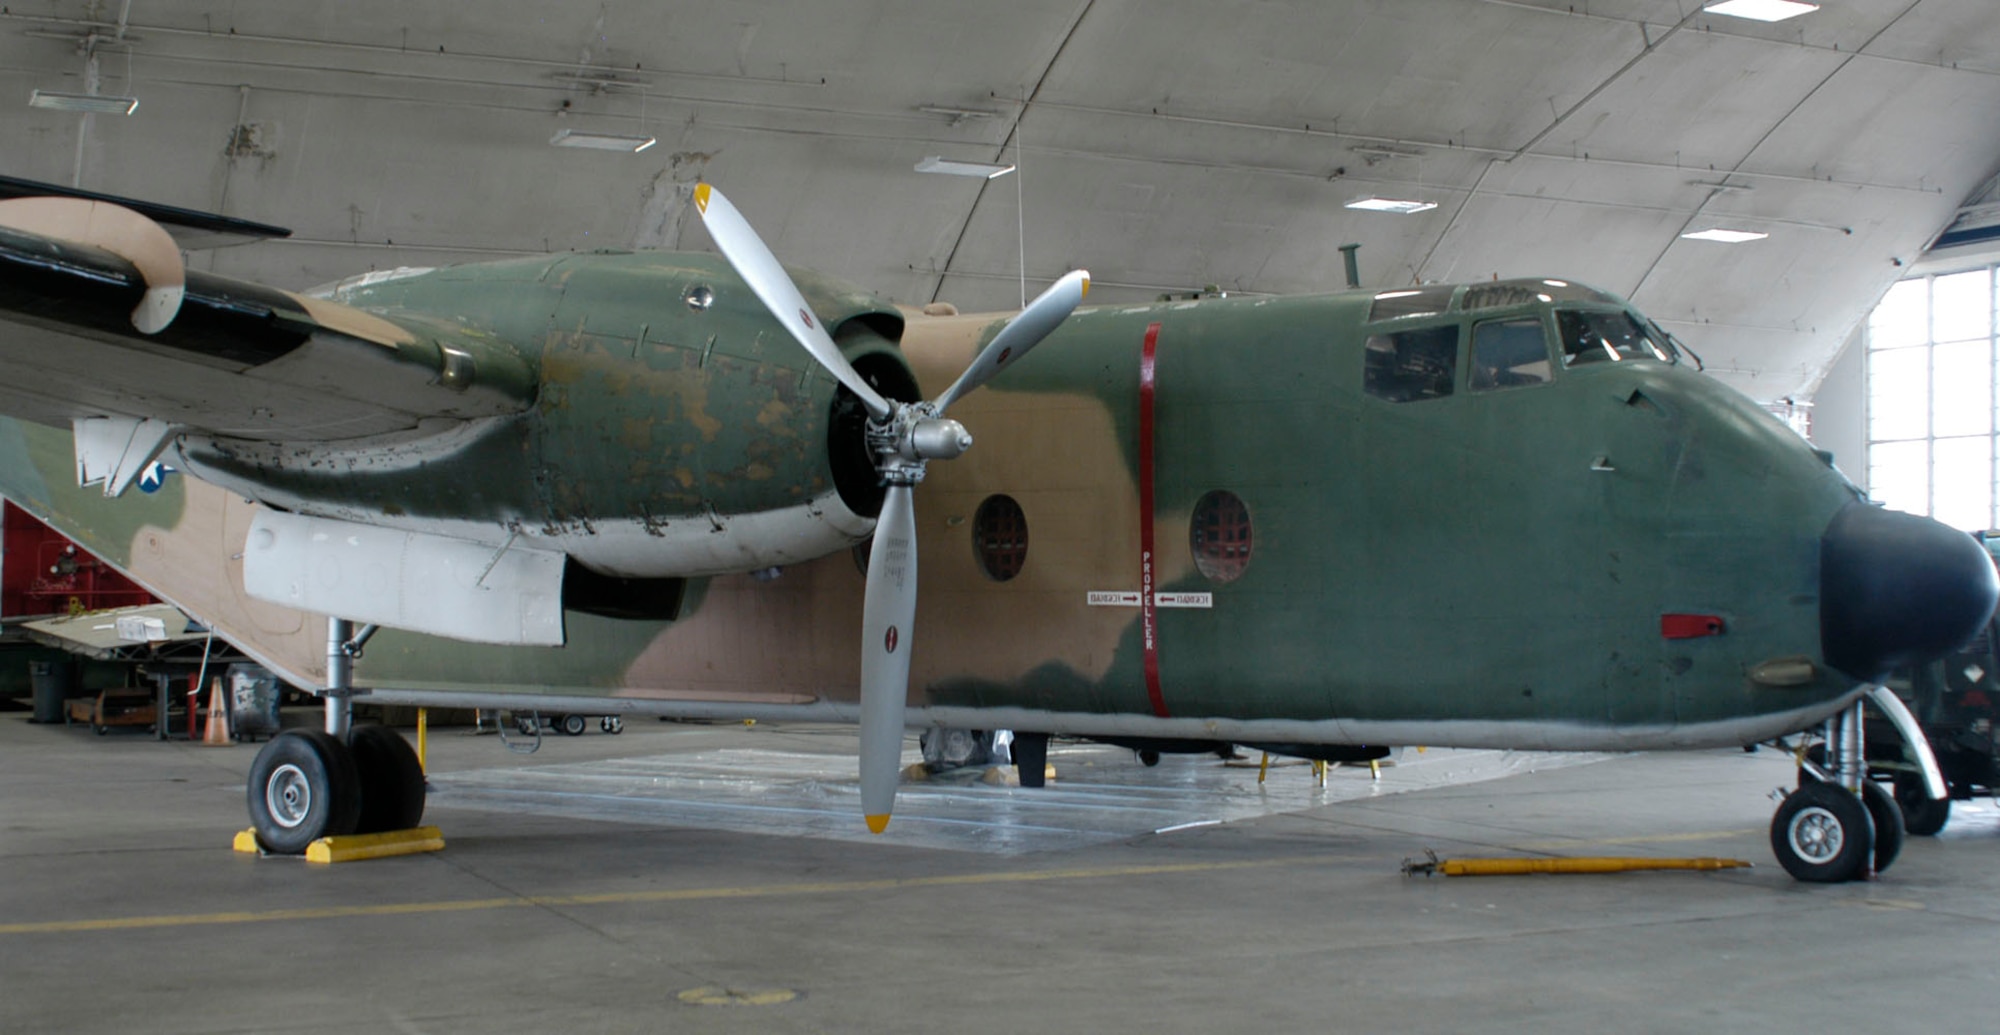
(886, 616)
(760, 269)
(1028, 327)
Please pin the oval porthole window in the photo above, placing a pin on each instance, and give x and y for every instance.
(1000, 538)
(1220, 536)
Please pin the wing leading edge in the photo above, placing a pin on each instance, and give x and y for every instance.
(237, 360)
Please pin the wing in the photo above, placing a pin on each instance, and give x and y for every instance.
(190, 229)
(81, 280)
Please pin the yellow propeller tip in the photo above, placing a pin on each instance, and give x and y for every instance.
(877, 824)
(701, 196)
(1086, 286)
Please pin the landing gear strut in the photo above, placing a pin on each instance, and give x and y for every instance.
(309, 784)
(1839, 825)
(1822, 832)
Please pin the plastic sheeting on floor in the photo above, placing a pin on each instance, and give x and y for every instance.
(1100, 794)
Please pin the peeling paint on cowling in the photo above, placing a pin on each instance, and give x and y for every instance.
(775, 414)
(637, 435)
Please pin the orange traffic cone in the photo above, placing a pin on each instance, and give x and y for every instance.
(216, 729)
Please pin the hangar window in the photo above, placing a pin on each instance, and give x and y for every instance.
(1930, 402)
(1592, 337)
(1220, 536)
(1410, 365)
(1000, 538)
(1509, 354)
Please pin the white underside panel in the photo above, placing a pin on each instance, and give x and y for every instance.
(406, 580)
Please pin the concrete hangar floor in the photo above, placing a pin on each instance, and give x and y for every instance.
(613, 883)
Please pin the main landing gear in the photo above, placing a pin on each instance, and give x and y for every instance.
(1839, 825)
(309, 784)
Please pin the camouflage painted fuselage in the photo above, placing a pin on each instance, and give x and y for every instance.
(1479, 567)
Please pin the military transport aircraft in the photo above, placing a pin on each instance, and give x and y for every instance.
(1500, 514)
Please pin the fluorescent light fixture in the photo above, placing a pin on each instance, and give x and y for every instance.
(952, 167)
(1373, 204)
(90, 102)
(1762, 10)
(1725, 236)
(601, 141)
(957, 115)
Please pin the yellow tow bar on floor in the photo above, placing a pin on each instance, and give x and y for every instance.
(1588, 864)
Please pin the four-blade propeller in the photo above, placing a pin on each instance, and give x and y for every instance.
(902, 436)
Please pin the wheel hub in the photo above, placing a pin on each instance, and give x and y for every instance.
(1817, 835)
(288, 796)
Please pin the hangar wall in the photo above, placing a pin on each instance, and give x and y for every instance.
(1840, 410)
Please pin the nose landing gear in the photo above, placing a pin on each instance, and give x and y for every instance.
(1839, 825)
(1824, 832)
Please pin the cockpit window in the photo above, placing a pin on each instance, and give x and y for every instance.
(1509, 354)
(1418, 301)
(1410, 365)
(1593, 337)
(1501, 295)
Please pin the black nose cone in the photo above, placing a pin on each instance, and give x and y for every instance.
(1897, 589)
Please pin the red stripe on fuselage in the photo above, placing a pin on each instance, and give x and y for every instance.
(1148, 628)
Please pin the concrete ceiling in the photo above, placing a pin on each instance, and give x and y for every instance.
(1165, 145)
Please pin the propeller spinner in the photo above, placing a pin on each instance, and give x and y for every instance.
(903, 436)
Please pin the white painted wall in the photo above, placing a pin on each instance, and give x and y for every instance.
(1840, 410)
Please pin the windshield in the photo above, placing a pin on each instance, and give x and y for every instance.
(1590, 336)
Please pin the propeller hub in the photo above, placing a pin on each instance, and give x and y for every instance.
(939, 438)
(913, 434)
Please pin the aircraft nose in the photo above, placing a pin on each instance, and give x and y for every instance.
(1897, 589)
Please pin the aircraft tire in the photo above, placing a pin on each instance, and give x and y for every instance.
(1888, 819)
(1822, 834)
(391, 780)
(1149, 758)
(302, 787)
(1922, 816)
(573, 725)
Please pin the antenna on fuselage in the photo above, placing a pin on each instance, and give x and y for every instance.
(1353, 265)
